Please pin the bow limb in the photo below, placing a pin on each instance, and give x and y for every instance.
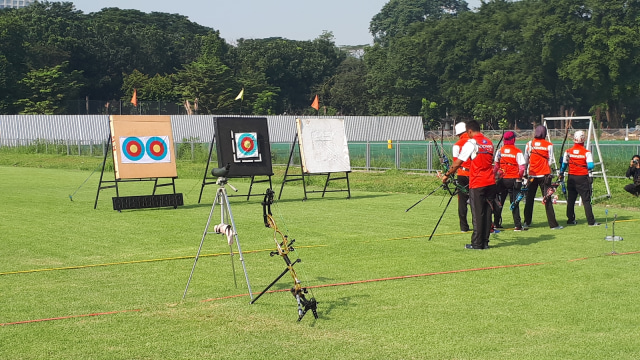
(500, 142)
(559, 170)
(564, 142)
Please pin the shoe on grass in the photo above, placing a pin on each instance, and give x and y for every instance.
(572, 222)
(595, 224)
(557, 228)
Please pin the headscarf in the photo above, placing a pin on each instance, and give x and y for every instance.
(541, 132)
(509, 138)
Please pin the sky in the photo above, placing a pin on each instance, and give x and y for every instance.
(348, 20)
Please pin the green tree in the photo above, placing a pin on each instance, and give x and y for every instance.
(265, 103)
(211, 82)
(397, 16)
(157, 88)
(606, 57)
(12, 54)
(347, 89)
(53, 31)
(118, 41)
(399, 76)
(290, 68)
(430, 114)
(49, 88)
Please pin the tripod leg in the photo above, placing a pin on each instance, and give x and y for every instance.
(233, 267)
(225, 198)
(224, 215)
(445, 210)
(206, 229)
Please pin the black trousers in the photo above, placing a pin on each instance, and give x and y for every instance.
(481, 212)
(632, 189)
(463, 181)
(507, 187)
(543, 183)
(579, 185)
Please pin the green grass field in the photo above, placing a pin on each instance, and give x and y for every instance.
(384, 290)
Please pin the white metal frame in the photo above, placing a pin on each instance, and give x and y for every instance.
(591, 134)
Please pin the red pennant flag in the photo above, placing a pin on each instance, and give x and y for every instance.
(316, 104)
(134, 98)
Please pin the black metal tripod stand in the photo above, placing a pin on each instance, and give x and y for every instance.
(222, 200)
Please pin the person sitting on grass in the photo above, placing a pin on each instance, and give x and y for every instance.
(633, 172)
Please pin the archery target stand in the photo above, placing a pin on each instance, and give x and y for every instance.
(244, 143)
(226, 220)
(591, 135)
(323, 150)
(142, 150)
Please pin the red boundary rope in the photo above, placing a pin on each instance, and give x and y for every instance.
(315, 287)
(385, 279)
(68, 317)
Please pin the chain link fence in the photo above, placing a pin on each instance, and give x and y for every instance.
(408, 156)
(122, 107)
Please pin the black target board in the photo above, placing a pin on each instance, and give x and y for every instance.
(243, 142)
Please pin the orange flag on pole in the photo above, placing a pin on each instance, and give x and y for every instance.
(134, 98)
(316, 103)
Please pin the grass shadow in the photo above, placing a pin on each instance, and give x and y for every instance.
(524, 241)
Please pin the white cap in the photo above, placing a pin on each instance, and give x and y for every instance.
(460, 128)
(578, 137)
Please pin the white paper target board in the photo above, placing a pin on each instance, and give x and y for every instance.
(323, 145)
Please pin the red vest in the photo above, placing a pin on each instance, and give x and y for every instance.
(578, 159)
(538, 150)
(481, 170)
(463, 170)
(508, 161)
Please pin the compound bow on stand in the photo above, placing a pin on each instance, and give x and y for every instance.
(284, 247)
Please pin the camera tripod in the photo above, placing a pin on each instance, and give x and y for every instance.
(222, 200)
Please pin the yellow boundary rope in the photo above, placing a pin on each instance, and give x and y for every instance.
(140, 261)
(222, 254)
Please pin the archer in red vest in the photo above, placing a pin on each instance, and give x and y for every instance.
(579, 161)
(539, 155)
(463, 175)
(482, 185)
(509, 168)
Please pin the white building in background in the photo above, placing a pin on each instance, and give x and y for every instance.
(5, 4)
